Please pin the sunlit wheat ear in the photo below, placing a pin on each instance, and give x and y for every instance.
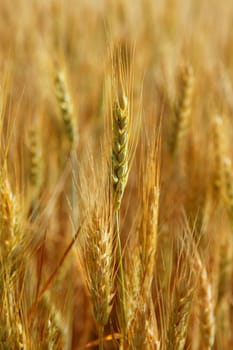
(120, 156)
(183, 111)
(66, 107)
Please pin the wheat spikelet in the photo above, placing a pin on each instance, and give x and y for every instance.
(183, 111)
(120, 149)
(66, 107)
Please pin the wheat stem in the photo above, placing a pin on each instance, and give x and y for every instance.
(101, 337)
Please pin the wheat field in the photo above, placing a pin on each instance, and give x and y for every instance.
(116, 175)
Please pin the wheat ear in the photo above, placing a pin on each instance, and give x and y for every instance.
(35, 167)
(219, 150)
(207, 309)
(67, 112)
(148, 230)
(120, 155)
(8, 215)
(228, 186)
(35, 157)
(120, 170)
(183, 111)
(99, 263)
(66, 107)
(179, 318)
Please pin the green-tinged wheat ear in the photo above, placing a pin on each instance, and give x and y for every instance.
(120, 154)
(66, 107)
(183, 111)
(35, 161)
(179, 318)
(219, 151)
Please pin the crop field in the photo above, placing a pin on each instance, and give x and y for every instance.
(116, 174)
